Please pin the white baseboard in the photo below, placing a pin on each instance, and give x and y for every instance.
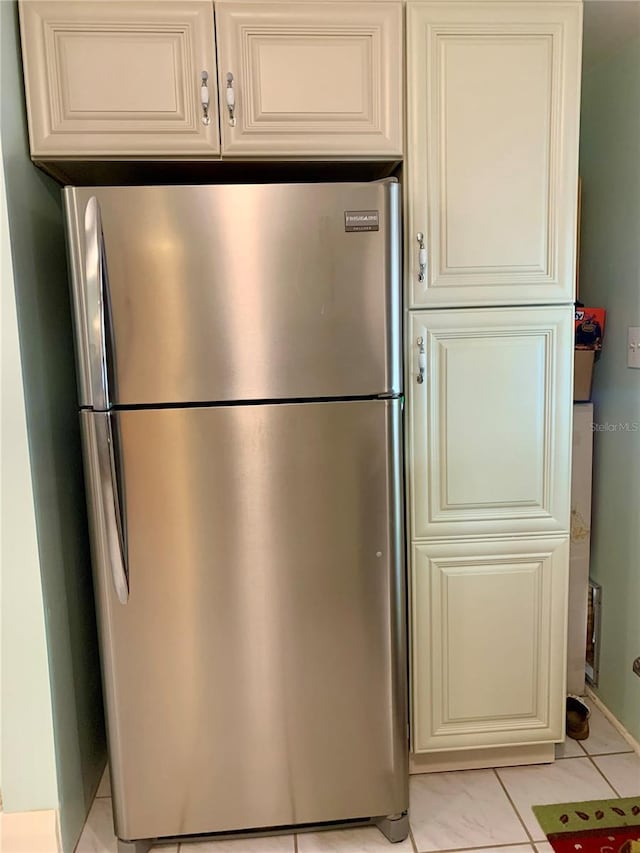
(613, 720)
(26, 832)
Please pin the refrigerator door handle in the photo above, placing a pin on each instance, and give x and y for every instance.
(96, 292)
(114, 528)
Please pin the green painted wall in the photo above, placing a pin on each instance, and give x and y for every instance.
(610, 276)
(46, 346)
(27, 752)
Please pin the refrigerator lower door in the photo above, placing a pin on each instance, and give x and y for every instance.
(256, 674)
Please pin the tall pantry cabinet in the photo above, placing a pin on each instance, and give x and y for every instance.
(493, 111)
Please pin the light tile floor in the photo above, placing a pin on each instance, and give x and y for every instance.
(478, 811)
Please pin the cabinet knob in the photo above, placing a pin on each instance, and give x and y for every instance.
(204, 97)
(231, 99)
(422, 257)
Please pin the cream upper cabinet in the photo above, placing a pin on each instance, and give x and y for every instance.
(310, 79)
(488, 644)
(121, 78)
(138, 79)
(490, 425)
(493, 108)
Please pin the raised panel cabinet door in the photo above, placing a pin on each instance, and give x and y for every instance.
(310, 79)
(489, 639)
(490, 435)
(114, 79)
(493, 94)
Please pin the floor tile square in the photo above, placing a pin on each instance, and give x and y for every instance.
(367, 839)
(543, 847)
(563, 782)
(466, 808)
(104, 788)
(97, 835)
(569, 749)
(603, 736)
(622, 772)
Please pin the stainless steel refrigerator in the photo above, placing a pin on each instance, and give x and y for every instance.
(240, 382)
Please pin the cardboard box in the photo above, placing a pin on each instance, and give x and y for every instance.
(582, 374)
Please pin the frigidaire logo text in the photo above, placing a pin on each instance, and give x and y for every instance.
(361, 220)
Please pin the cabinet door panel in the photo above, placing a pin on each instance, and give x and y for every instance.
(493, 106)
(311, 79)
(488, 642)
(490, 426)
(120, 78)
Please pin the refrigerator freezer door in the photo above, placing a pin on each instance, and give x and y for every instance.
(256, 675)
(221, 293)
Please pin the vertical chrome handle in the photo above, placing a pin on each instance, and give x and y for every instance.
(231, 99)
(114, 528)
(422, 361)
(422, 257)
(204, 97)
(95, 276)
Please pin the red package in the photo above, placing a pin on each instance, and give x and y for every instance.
(589, 326)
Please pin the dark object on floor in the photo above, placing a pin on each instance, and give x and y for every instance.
(577, 718)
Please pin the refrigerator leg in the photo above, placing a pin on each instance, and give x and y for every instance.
(135, 846)
(394, 827)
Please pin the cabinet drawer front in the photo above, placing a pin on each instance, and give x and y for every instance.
(490, 438)
(119, 79)
(488, 642)
(493, 110)
(312, 79)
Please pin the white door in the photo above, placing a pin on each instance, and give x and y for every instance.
(488, 642)
(120, 79)
(310, 79)
(493, 111)
(490, 425)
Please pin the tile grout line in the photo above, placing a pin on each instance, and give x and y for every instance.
(591, 757)
(613, 720)
(606, 754)
(513, 805)
(585, 752)
(295, 843)
(595, 754)
(610, 784)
